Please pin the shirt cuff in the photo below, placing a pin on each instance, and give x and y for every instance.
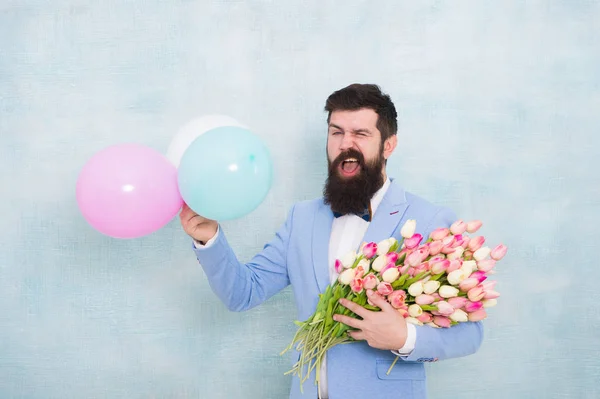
(411, 339)
(210, 242)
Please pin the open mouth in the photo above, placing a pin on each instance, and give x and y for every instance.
(349, 167)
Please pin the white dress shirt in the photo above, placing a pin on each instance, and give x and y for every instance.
(347, 233)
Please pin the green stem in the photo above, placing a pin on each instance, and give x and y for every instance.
(392, 366)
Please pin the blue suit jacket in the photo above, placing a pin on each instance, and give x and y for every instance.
(298, 255)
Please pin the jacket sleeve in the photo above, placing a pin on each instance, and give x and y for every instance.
(243, 286)
(460, 340)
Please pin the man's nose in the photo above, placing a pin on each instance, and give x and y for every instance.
(347, 142)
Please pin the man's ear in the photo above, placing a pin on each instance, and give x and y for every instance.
(389, 146)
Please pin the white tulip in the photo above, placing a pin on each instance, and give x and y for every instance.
(347, 276)
(456, 276)
(408, 230)
(458, 251)
(383, 247)
(390, 275)
(379, 263)
(489, 303)
(447, 291)
(459, 316)
(416, 289)
(481, 253)
(348, 259)
(430, 287)
(469, 266)
(415, 310)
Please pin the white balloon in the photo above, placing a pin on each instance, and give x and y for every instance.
(192, 130)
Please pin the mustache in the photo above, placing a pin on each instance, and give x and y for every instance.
(349, 153)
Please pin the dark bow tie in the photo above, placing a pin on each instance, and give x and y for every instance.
(365, 214)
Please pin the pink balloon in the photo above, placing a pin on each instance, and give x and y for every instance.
(128, 191)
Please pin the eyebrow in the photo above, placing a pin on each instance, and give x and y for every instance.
(331, 125)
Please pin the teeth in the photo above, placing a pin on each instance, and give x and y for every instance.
(351, 160)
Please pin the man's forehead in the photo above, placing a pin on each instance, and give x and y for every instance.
(354, 120)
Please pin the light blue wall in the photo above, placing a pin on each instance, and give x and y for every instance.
(499, 107)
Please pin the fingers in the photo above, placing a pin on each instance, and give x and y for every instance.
(357, 335)
(187, 217)
(356, 308)
(347, 320)
(379, 301)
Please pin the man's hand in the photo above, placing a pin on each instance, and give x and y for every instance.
(199, 228)
(385, 329)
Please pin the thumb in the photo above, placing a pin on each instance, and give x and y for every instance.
(379, 301)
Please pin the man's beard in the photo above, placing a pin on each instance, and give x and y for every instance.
(351, 195)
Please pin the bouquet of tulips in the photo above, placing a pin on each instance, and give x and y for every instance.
(440, 282)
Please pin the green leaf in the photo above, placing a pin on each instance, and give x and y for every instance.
(416, 278)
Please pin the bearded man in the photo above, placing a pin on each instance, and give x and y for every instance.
(360, 204)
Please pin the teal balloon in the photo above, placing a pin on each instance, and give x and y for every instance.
(225, 173)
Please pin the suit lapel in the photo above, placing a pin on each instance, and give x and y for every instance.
(388, 215)
(320, 245)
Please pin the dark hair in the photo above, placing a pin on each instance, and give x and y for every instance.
(357, 96)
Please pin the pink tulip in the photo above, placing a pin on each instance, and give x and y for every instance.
(491, 295)
(357, 285)
(436, 296)
(441, 321)
(437, 258)
(403, 312)
(499, 252)
(370, 282)
(413, 241)
(384, 288)
(369, 250)
(338, 266)
(435, 247)
(424, 251)
(425, 317)
(359, 271)
(416, 257)
(473, 226)
(439, 233)
(423, 267)
(475, 243)
(392, 257)
(448, 241)
(404, 269)
(486, 265)
(440, 267)
(454, 265)
(396, 298)
(444, 308)
(467, 284)
(447, 249)
(472, 306)
(457, 302)
(458, 227)
(478, 315)
(489, 285)
(424, 299)
(476, 293)
(479, 275)
(460, 241)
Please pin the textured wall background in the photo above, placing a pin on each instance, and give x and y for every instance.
(499, 119)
